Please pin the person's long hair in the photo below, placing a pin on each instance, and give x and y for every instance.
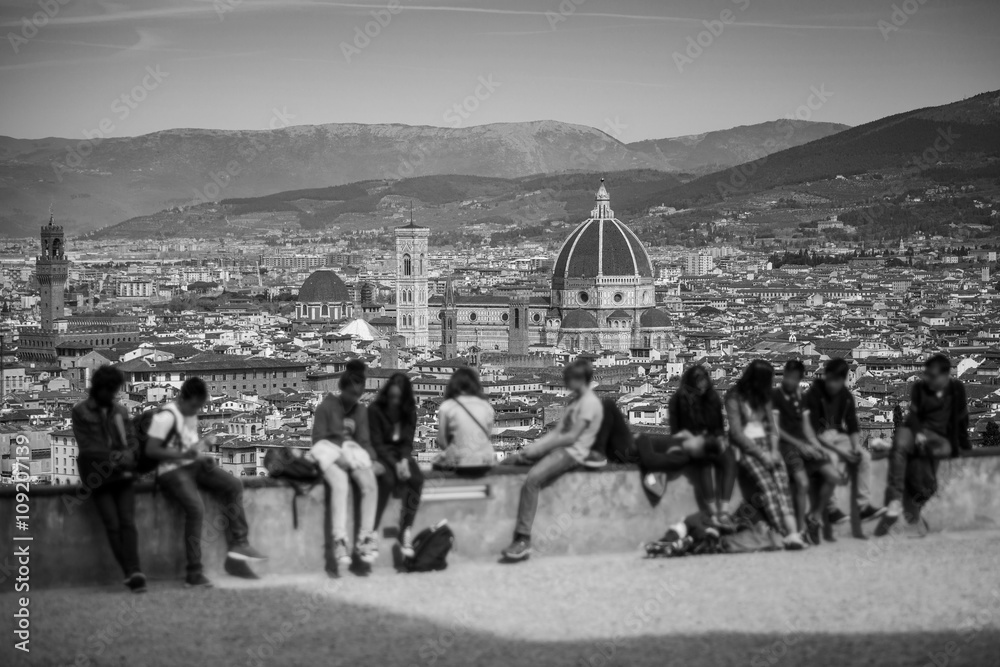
(464, 382)
(702, 413)
(756, 384)
(408, 403)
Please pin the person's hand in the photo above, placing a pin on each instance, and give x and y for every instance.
(342, 463)
(849, 456)
(403, 469)
(190, 453)
(766, 458)
(208, 441)
(378, 468)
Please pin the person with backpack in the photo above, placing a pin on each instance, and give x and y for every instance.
(557, 452)
(833, 417)
(392, 420)
(936, 427)
(343, 451)
(697, 428)
(108, 444)
(763, 477)
(465, 426)
(185, 470)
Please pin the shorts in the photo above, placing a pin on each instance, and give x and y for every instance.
(326, 453)
(795, 462)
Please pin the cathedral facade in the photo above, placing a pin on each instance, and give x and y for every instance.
(602, 298)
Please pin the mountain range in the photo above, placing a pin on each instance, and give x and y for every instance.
(95, 183)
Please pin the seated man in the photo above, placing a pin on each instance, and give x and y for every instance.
(834, 420)
(809, 466)
(936, 427)
(558, 451)
(185, 469)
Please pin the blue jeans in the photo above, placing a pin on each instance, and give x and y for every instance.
(115, 502)
(183, 485)
(552, 466)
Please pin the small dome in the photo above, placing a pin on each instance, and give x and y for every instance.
(324, 287)
(654, 318)
(579, 319)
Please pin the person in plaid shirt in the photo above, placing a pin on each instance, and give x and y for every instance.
(752, 429)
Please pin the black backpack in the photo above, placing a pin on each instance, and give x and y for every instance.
(431, 547)
(615, 437)
(143, 463)
(298, 472)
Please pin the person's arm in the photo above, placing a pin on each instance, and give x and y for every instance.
(772, 419)
(962, 421)
(442, 435)
(362, 435)
(746, 445)
(853, 426)
(812, 442)
(673, 414)
(159, 433)
(326, 424)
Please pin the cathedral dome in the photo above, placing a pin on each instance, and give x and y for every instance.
(654, 318)
(601, 246)
(324, 286)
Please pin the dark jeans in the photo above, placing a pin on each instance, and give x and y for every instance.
(547, 470)
(912, 468)
(183, 485)
(408, 491)
(115, 502)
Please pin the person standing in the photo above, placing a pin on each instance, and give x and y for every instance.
(753, 430)
(343, 451)
(185, 469)
(392, 419)
(557, 452)
(936, 427)
(107, 442)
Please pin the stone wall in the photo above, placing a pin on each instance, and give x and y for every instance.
(584, 512)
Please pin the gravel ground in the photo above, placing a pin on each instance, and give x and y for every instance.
(913, 602)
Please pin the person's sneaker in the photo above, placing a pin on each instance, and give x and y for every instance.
(595, 459)
(519, 549)
(889, 519)
(239, 568)
(367, 548)
(836, 515)
(869, 513)
(813, 527)
(341, 552)
(245, 552)
(406, 543)
(136, 582)
(794, 542)
(197, 580)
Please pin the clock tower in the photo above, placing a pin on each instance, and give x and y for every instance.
(411, 284)
(51, 271)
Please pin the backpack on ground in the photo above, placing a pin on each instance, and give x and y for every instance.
(143, 463)
(615, 437)
(298, 472)
(431, 547)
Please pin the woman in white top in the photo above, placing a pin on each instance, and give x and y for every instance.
(752, 429)
(465, 425)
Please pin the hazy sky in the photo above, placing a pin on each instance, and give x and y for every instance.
(245, 64)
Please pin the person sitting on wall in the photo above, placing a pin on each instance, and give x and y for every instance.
(936, 427)
(106, 438)
(557, 452)
(185, 469)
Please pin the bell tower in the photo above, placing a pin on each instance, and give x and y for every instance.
(518, 339)
(51, 271)
(411, 284)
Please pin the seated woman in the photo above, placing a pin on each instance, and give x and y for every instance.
(465, 426)
(698, 429)
(392, 420)
(753, 430)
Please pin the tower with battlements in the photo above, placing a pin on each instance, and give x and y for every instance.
(51, 271)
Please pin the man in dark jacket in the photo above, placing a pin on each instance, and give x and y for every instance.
(107, 442)
(936, 427)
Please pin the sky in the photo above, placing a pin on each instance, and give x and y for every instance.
(637, 69)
